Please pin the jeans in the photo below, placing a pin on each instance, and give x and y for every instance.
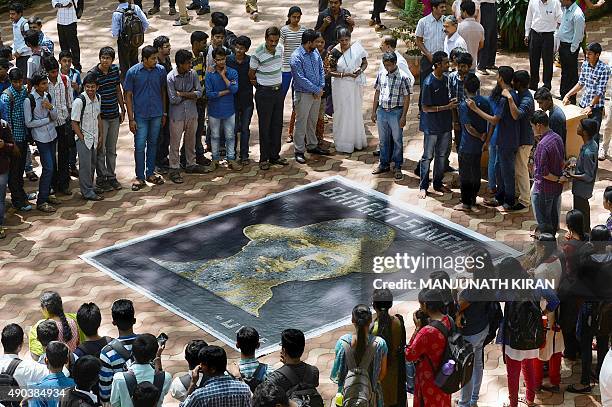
(505, 172)
(390, 134)
(546, 209)
(491, 168)
(541, 45)
(471, 390)
(3, 184)
(244, 114)
(47, 161)
(163, 145)
(469, 177)
(287, 82)
(435, 148)
(145, 145)
(69, 41)
(270, 105)
(215, 135)
(107, 155)
(18, 195)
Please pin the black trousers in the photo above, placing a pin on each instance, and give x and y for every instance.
(69, 41)
(128, 57)
(583, 206)
(569, 69)
(379, 7)
(65, 140)
(22, 64)
(568, 316)
(488, 20)
(171, 3)
(15, 183)
(270, 105)
(163, 145)
(541, 46)
(469, 177)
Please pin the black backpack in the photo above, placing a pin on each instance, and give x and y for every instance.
(257, 378)
(458, 350)
(301, 390)
(495, 317)
(79, 7)
(84, 101)
(132, 29)
(523, 325)
(7, 380)
(76, 399)
(131, 382)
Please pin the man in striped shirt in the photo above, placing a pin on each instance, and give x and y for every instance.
(117, 355)
(219, 390)
(266, 74)
(112, 114)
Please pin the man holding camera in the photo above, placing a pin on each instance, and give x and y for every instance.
(331, 19)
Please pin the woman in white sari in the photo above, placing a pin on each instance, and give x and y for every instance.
(347, 66)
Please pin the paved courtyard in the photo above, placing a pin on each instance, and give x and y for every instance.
(41, 252)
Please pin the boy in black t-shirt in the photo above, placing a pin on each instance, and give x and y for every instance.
(89, 319)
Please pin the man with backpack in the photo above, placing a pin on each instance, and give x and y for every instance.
(296, 378)
(250, 370)
(32, 40)
(129, 24)
(220, 389)
(89, 319)
(116, 355)
(85, 374)
(145, 350)
(56, 357)
(14, 371)
(20, 25)
(67, 14)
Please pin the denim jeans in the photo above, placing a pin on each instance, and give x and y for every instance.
(597, 115)
(505, 173)
(390, 134)
(244, 114)
(491, 167)
(469, 393)
(287, 82)
(546, 208)
(3, 184)
(47, 161)
(215, 135)
(435, 148)
(145, 145)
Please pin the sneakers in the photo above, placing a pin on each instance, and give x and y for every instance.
(179, 23)
(171, 11)
(153, 10)
(602, 154)
(299, 158)
(319, 151)
(115, 184)
(279, 161)
(203, 11)
(98, 190)
(104, 185)
(193, 6)
(46, 208)
(31, 196)
(203, 161)
(264, 165)
(25, 208)
(255, 16)
(234, 165)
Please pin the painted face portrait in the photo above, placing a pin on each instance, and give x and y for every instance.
(276, 255)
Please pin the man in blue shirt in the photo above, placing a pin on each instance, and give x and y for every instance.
(221, 86)
(437, 123)
(309, 80)
(56, 383)
(522, 112)
(507, 140)
(145, 97)
(570, 34)
(474, 134)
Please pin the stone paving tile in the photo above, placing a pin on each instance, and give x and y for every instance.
(41, 251)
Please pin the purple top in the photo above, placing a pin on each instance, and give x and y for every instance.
(548, 159)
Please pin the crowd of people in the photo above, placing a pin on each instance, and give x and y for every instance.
(206, 100)
(378, 364)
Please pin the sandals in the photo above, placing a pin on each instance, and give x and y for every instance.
(32, 176)
(175, 177)
(138, 185)
(155, 179)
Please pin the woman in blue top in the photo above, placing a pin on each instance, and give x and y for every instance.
(359, 342)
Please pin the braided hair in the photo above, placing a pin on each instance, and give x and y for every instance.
(52, 302)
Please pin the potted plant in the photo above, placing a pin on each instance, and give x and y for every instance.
(410, 16)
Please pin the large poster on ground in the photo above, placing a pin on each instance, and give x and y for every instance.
(301, 259)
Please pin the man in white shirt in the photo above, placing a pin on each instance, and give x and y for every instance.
(20, 25)
(453, 39)
(605, 380)
(543, 18)
(145, 350)
(27, 371)
(472, 32)
(67, 29)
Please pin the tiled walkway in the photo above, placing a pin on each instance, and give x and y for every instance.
(41, 251)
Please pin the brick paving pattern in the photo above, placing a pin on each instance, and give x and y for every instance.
(41, 251)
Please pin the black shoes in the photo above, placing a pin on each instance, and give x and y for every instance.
(299, 158)
(319, 151)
